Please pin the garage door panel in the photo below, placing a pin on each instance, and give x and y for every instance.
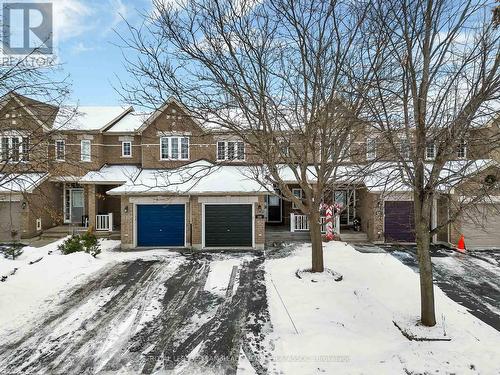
(228, 225)
(399, 221)
(10, 220)
(483, 230)
(161, 225)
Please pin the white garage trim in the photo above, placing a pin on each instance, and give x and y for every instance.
(228, 200)
(134, 205)
(158, 200)
(225, 204)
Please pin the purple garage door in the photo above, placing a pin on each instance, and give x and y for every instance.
(399, 221)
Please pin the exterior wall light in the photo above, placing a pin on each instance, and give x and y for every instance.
(23, 205)
(125, 209)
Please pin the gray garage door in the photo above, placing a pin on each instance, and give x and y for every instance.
(9, 220)
(228, 225)
(484, 230)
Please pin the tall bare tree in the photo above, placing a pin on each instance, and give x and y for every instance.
(274, 73)
(435, 87)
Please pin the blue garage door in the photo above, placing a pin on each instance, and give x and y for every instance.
(160, 225)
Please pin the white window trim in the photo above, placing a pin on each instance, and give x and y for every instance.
(427, 157)
(63, 151)
(301, 196)
(82, 142)
(371, 154)
(226, 150)
(464, 143)
(9, 137)
(123, 149)
(169, 143)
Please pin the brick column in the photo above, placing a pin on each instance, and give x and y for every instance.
(92, 204)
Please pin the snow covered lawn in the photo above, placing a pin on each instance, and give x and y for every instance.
(27, 294)
(347, 326)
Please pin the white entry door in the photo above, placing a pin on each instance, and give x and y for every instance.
(74, 205)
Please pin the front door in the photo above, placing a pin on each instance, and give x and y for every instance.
(74, 205)
(346, 198)
(273, 207)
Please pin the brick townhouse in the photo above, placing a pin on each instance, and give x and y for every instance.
(164, 179)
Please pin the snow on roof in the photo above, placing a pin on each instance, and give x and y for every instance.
(21, 182)
(87, 118)
(391, 177)
(345, 173)
(118, 174)
(131, 122)
(201, 177)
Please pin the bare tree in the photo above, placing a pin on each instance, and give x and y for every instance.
(435, 88)
(274, 73)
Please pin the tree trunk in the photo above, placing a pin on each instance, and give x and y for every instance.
(422, 225)
(317, 242)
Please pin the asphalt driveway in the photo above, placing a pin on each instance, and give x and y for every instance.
(145, 316)
(471, 279)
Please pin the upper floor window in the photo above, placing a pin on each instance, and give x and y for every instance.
(60, 149)
(174, 148)
(462, 149)
(298, 193)
(126, 149)
(14, 148)
(371, 148)
(405, 149)
(430, 150)
(230, 150)
(85, 150)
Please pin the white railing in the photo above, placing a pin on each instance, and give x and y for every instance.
(300, 223)
(104, 222)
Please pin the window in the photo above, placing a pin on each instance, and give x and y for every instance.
(85, 150)
(14, 156)
(126, 149)
(405, 149)
(174, 148)
(230, 150)
(60, 150)
(346, 149)
(462, 149)
(371, 148)
(15, 148)
(299, 193)
(430, 150)
(25, 147)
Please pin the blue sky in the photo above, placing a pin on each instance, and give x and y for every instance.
(85, 45)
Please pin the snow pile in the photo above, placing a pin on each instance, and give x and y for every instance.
(347, 326)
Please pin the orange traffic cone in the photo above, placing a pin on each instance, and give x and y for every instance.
(461, 244)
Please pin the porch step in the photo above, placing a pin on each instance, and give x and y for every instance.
(354, 237)
(63, 231)
(273, 236)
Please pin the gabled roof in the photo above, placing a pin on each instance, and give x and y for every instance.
(89, 118)
(44, 114)
(129, 123)
(21, 182)
(197, 178)
(157, 113)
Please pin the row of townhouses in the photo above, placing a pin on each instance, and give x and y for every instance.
(148, 178)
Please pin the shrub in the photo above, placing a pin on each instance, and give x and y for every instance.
(13, 251)
(87, 242)
(91, 244)
(71, 245)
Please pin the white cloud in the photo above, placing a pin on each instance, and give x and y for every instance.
(80, 47)
(70, 18)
